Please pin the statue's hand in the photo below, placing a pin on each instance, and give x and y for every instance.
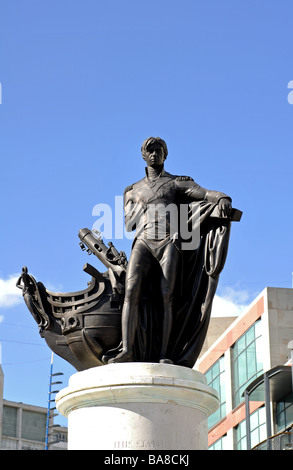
(225, 207)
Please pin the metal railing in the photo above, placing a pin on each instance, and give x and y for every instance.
(281, 441)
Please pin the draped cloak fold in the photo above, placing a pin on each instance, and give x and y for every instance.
(192, 303)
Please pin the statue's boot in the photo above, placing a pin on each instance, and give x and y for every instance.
(124, 356)
(164, 360)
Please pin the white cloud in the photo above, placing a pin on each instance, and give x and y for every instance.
(230, 303)
(54, 287)
(10, 295)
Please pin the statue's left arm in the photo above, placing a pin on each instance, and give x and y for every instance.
(197, 193)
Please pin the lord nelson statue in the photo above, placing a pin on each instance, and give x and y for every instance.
(179, 250)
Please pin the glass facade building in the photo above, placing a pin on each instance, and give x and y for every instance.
(247, 360)
(250, 356)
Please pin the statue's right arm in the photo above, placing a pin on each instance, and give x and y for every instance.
(128, 210)
(133, 209)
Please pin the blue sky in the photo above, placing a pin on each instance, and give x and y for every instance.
(83, 84)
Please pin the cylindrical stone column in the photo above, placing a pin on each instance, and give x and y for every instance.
(137, 406)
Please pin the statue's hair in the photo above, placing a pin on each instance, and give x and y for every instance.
(152, 140)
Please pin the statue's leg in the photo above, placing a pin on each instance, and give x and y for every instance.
(138, 268)
(169, 264)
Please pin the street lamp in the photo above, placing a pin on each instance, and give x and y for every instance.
(50, 400)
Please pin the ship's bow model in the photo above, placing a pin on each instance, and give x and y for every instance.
(81, 327)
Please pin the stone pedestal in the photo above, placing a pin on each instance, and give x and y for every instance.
(137, 406)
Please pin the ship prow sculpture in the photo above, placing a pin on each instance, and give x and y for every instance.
(156, 306)
(81, 326)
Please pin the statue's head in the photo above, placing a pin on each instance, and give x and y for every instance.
(150, 144)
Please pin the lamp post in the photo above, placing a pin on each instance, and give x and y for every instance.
(50, 400)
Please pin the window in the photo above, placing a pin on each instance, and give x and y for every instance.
(284, 412)
(9, 444)
(241, 436)
(60, 436)
(257, 430)
(247, 360)
(220, 444)
(216, 379)
(33, 425)
(9, 421)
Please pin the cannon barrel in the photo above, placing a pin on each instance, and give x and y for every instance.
(107, 255)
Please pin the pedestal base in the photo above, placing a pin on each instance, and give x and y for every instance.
(137, 406)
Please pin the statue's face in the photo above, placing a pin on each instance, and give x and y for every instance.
(154, 155)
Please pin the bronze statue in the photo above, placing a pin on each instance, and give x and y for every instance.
(155, 307)
(157, 258)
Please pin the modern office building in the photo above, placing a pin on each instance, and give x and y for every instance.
(249, 365)
(23, 426)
